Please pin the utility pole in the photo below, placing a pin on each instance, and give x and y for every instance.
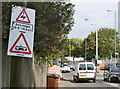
(96, 45)
(96, 38)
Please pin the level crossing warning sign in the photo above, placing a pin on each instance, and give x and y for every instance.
(21, 35)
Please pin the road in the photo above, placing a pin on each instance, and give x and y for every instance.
(67, 81)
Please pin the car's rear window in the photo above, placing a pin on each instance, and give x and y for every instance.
(82, 67)
(115, 69)
(90, 67)
(65, 65)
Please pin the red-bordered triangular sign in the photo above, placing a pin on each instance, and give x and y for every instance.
(22, 16)
(11, 49)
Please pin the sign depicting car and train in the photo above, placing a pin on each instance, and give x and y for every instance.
(21, 35)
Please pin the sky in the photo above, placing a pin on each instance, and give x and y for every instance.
(96, 13)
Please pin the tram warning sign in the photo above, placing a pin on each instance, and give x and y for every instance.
(21, 35)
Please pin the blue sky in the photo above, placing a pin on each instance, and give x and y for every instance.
(92, 9)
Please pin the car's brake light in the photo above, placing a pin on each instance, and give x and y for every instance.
(77, 74)
(95, 73)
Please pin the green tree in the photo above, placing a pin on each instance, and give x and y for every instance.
(53, 21)
(76, 47)
(73, 44)
(106, 43)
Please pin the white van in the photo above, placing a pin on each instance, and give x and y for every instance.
(85, 70)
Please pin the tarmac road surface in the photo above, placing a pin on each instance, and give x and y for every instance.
(68, 81)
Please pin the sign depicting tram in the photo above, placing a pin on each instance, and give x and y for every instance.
(21, 35)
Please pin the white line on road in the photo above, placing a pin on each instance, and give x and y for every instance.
(113, 84)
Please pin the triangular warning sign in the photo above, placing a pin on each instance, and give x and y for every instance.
(20, 49)
(23, 17)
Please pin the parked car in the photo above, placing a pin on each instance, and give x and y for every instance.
(65, 68)
(55, 64)
(85, 70)
(58, 63)
(102, 66)
(22, 48)
(109, 65)
(70, 65)
(112, 74)
(118, 65)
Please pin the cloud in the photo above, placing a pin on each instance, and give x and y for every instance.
(76, 1)
(92, 10)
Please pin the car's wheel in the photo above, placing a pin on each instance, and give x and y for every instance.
(105, 78)
(23, 49)
(68, 71)
(109, 79)
(94, 80)
(16, 48)
(77, 80)
(73, 78)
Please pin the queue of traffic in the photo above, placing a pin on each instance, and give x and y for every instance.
(88, 70)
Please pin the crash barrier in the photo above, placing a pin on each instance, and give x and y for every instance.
(52, 81)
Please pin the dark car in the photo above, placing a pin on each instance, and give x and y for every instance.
(118, 65)
(112, 74)
(109, 65)
(22, 48)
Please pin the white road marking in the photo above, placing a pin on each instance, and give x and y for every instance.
(113, 84)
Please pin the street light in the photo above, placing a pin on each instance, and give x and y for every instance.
(69, 46)
(85, 50)
(96, 38)
(69, 49)
(109, 10)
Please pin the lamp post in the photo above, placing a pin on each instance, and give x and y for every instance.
(109, 10)
(85, 50)
(96, 38)
(69, 49)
